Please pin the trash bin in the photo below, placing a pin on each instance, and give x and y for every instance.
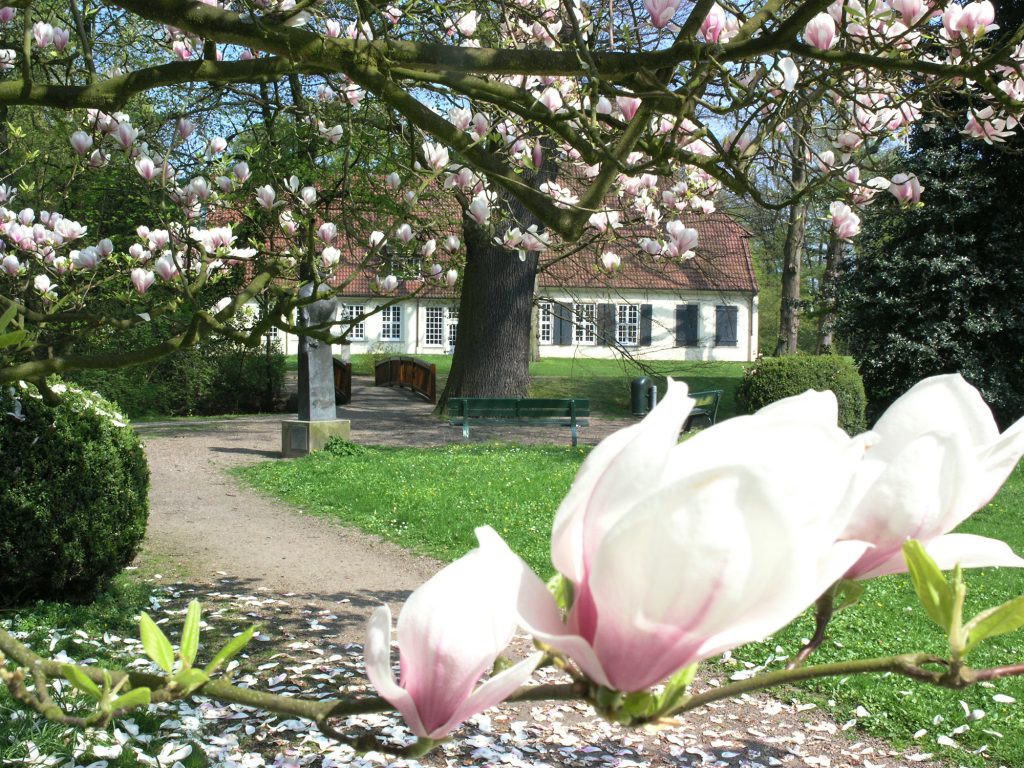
(638, 389)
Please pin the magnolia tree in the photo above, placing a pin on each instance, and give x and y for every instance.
(550, 122)
(667, 554)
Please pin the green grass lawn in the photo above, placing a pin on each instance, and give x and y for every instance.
(431, 500)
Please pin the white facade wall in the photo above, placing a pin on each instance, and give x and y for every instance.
(414, 327)
(663, 326)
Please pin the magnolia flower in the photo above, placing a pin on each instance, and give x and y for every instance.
(610, 261)
(388, 284)
(41, 283)
(10, 265)
(845, 223)
(265, 196)
(166, 267)
(307, 195)
(445, 649)
(327, 232)
(714, 24)
(452, 243)
(146, 168)
(679, 551)
(43, 33)
(241, 172)
(288, 223)
(661, 11)
(790, 73)
(329, 257)
(142, 279)
(436, 155)
(906, 188)
(87, 258)
(393, 180)
(451, 277)
(628, 105)
(404, 233)
(821, 32)
(551, 99)
(81, 142)
(467, 24)
(184, 127)
(7, 15)
(939, 457)
(480, 209)
(216, 146)
(976, 18)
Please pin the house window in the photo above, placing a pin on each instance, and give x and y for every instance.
(273, 334)
(725, 326)
(545, 323)
(583, 316)
(627, 324)
(435, 327)
(357, 331)
(391, 323)
(453, 327)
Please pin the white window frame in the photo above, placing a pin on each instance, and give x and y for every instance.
(434, 322)
(357, 331)
(545, 322)
(584, 323)
(627, 324)
(451, 330)
(391, 323)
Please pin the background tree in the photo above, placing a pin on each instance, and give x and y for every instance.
(938, 290)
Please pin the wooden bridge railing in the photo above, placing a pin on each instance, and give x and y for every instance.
(418, 375)
(342, 382)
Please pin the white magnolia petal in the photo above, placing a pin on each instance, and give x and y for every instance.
(377, 657)
(492, 692)
(947, 402)
(995, 463)
(623, 467)
(817, 407)
(972, 551)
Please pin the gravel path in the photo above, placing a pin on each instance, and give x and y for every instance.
(215, 536)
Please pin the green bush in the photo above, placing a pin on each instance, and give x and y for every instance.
(774, 378)
(73, 504)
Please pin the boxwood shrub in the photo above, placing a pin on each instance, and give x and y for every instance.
(73, 504)
(774, 378)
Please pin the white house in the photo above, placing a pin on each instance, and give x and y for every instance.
(701, 309)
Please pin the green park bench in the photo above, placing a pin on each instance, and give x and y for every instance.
(462, 411)
(705, 409)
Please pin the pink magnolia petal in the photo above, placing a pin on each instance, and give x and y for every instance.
(491, 693)
(378, 668)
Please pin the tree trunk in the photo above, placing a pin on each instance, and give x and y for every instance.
(827, 313)
(492, 351)
(792, 256)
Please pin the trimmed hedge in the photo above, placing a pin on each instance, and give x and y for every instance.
(73, 503)
(774, 378)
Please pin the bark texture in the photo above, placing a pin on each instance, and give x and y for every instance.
(792, 256)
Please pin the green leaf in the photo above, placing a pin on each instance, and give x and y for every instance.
(156, 644)
(639, 705)
(81, 681)
(848, 593)
(12, 339)
(1001, 620)
(233, 647)
(676, 689)
(561, 588)
(136, 697)
(7, 316)
(931, 586)
(190, 633)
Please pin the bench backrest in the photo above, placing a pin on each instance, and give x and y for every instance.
(518, 408)
(708, 401)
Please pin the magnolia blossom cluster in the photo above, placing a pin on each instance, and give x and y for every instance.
(677, 552)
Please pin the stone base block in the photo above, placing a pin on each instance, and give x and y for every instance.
(300, 438)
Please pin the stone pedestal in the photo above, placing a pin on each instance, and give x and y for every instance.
(300, 438)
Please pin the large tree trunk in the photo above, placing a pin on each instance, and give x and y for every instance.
(492, 351)
(827, 312)
(792, 257)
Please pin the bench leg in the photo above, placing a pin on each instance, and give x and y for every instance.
(574, 434)
(465, 430)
